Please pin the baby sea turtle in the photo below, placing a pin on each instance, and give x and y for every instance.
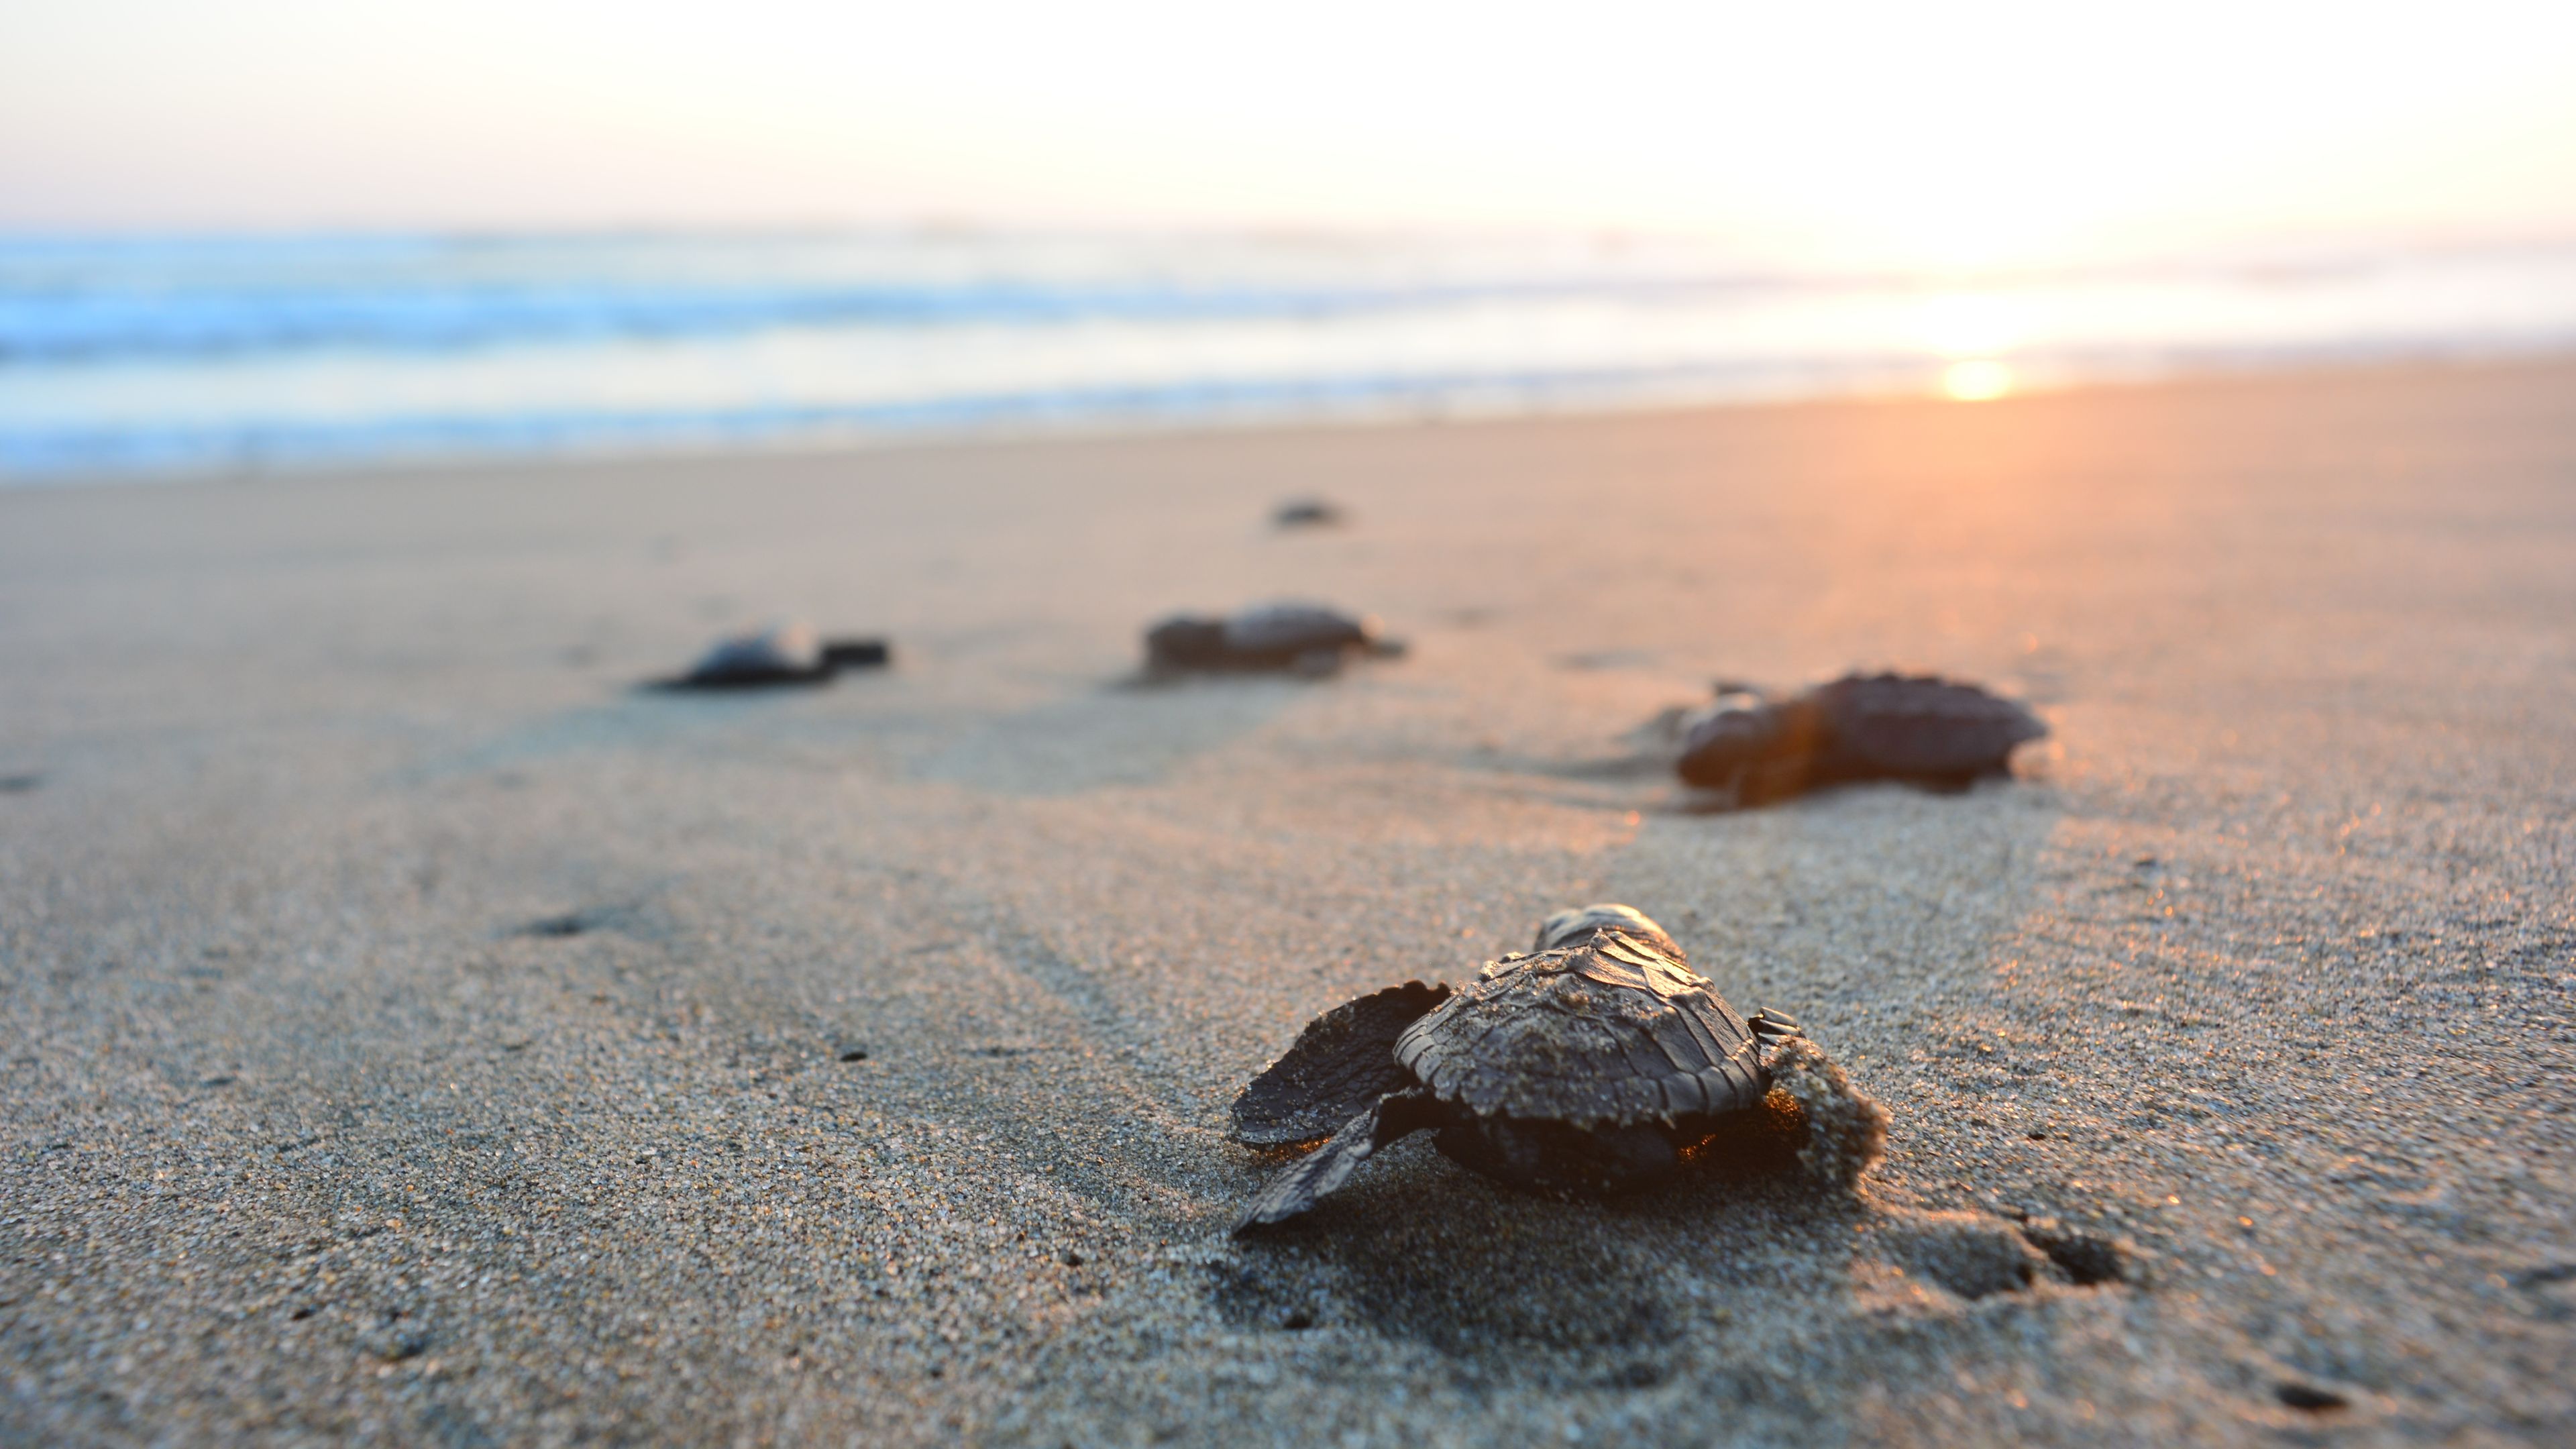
(1921, 728)
(1594, 1064)
(1300, 638)
(1307, 513)
(789, 653)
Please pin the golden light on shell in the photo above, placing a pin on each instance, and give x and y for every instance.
(1976, 379)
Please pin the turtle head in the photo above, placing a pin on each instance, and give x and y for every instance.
(1185, 643)
(1729, 732)
(1572, 927)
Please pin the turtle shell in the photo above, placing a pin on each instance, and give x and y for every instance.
(1272, 636)
(1294, 628)
(1610, 1032)
(1575, 926)
(1861, 726)
(788, 650)
(1923, 724)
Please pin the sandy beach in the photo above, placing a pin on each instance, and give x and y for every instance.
(418, 1035)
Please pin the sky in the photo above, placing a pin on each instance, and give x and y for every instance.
(1914, 133)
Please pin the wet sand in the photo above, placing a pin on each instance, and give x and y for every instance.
(418, 1036)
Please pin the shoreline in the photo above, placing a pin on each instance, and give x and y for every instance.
(1256, 422)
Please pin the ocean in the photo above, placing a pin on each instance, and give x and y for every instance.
(135, 356)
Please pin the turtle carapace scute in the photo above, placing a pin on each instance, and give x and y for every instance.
(1307, 639)
(1593, 1064)
(1919, 728)
(783, 654)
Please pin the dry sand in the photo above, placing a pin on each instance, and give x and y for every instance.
(414, 1035)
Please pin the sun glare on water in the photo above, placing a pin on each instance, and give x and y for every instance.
(1976, 379)
(1971, 329)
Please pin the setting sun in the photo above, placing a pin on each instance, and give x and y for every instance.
(1976, 379)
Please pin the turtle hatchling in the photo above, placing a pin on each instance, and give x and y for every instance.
(1307, 513)
(1596, 1063)
(1918, 728)
(790, 653)
(1304, 639)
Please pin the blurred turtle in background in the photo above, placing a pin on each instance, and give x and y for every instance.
(1598, 1063)
(1918, 728)
(1306, 639)
(783, 654)
(1308, 513)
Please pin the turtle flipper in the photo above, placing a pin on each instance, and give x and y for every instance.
(1343, 1061)
(1846, 1127)
(1291, 1193)
(1773, 1027)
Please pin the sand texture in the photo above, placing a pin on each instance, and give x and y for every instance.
(417, 1035)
